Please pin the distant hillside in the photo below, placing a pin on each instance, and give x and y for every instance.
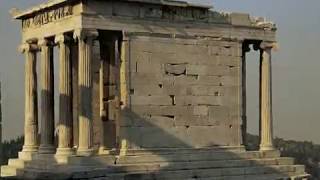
(305, 153)
(10, 149)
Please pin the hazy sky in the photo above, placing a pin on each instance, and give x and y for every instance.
(296, 84)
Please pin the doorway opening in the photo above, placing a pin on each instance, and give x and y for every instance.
(109, 82)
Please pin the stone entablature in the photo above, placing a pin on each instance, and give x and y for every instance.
(48, 16)
(135, 9)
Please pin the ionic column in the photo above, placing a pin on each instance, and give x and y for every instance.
(47, 98)
(85, 40)
(31, 100)
(65, 125)
(266, 125)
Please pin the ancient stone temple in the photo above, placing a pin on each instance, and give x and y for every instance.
(148, 89)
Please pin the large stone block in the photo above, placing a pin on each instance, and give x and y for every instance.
(151, 100)
(209, 80)
(198, 100)
(147, 90)
(229, 61)
(161, 122)
(155, 137)
(197, 80)
(206, 90)
(126, 118)
(158, 89)
(166, 58)
(160, 47)
(192, 49)
(201, 110)
(141, 46)
(151, 12)
(240, 19)
(232, 98)
(207, 70)
(226, 50)
(204, 136)
(230, 81)
(149, 67)
(185, 80)
(126, 9)
(162, 110)
(235, 71)
(181, 57)
(175, 69)
(149, 78)
(130, 137)
(193, 120)
(140, 56)
(218, 113)
(97, 7)
(175, 89)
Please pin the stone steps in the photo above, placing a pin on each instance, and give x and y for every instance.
(205, 156)
(213, 157)
(178, 157)
(281, 171)
(162, 165)
(203, 165)
(18, 163)
(221, 173)
(226, 164)
(224, 167)
(8, 171)
(293, 176)
(247, 177)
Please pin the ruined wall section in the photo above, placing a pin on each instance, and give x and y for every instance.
(183, 93)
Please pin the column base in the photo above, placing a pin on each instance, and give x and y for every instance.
(104, 151)
(64, 152)
(267, 148)
(47, 149)
(85, 152)
(30, 149)
(26, 155)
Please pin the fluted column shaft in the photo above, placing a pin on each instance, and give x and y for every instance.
(85, 39)
(47, 98)
(266, 124)
(31, 101)
(65, 94)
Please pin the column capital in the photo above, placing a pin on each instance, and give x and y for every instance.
(268, 45)
(85, 34)
(61, 38)
(246, 47)
(44, 42)
(27, 47)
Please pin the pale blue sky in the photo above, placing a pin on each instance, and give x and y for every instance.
(296, 74)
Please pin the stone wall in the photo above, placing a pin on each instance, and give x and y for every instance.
(183, 93)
